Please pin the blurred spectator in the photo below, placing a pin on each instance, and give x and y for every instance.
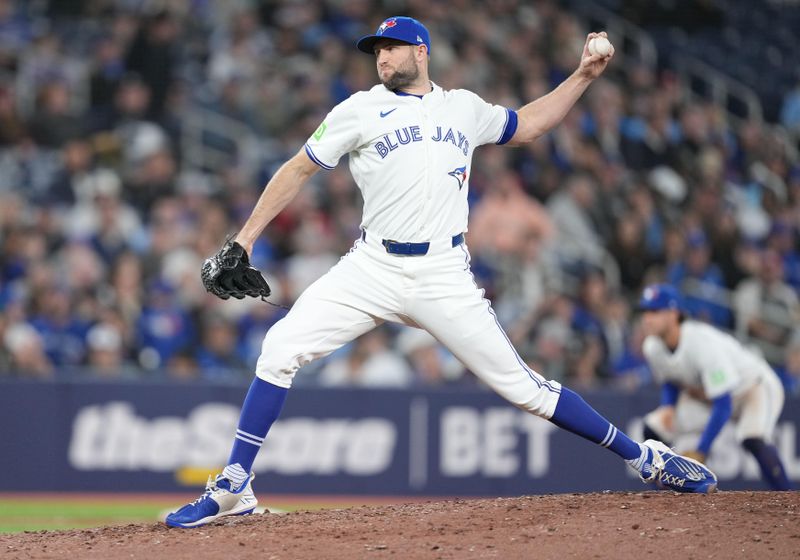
(79, 267)
(153, 169)
(630, 369)
(129, 106)
(12, 126)
(63, 334)
(153, 55)
(642, 203)
(783, 239)
(106, 350)
(54, 122)
(126, 291)
(701, 281)
(508, 233)
(183, 366)
(431, 363)
(48, 62)
(217, 354)
(169, 229)
(725, 240)
(238, 50)
(114, 227)
(163, 328)
(767, 308)
(26, 351)
(650, 140)
(546, 336)
(108, 69)
(369, 363)
(312, 254)
(570, 209)
(628, 248)
(77, 163)
(588, 325)
(15, 27)
(505, 218)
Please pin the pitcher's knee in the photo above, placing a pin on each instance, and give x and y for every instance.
(277, 369)
(280, 356)
(279, 359)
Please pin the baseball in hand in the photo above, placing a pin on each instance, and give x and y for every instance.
(599, 45)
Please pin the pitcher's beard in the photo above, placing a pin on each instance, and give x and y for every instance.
(402, 78)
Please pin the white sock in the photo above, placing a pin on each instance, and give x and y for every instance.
(641, 462)
(235, 473)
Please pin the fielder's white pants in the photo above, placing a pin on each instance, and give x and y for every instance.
(755, 413)
(436, 292)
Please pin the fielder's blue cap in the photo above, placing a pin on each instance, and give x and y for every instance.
(658, 297)
(402, 28)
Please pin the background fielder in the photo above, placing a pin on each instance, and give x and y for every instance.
(707, 379)
(410, 145)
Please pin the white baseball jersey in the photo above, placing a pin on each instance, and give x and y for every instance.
(410, 156)
(708, 359)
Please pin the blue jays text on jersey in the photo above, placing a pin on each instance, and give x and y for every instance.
(401, 136)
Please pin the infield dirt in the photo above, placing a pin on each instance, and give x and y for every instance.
(660, 525)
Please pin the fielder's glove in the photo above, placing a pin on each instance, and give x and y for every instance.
(696, 455)
(228, 273)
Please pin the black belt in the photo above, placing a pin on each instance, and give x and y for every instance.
(413, 249)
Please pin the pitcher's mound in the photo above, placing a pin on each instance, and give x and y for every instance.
(658, 525)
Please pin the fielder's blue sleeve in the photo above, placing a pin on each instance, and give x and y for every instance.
(721, 410)
(669, 394)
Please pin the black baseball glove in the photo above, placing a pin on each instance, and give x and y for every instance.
(228, 273)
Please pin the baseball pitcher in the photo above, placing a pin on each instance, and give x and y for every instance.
(410, 145)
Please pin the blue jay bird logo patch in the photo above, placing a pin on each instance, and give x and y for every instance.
(386, 24)
(460, 174)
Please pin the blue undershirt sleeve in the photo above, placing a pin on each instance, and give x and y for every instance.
(669, 394)
(721, 410)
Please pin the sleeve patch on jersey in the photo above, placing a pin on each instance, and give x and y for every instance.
(320, 131)
(510, 127)
(717, 377)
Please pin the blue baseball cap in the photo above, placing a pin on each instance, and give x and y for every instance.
(658, 297)
(402, 28)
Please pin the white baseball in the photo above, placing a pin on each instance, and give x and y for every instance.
(599, 45)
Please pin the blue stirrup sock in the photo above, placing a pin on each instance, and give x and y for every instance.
(769, 462)
(261, 408)
(575, 415)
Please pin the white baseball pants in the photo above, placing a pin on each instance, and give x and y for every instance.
(755, 412)
(435, 292)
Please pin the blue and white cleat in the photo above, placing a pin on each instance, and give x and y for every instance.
(671, 471)
(218, 500)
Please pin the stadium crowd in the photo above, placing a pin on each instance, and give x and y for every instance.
(106, 213)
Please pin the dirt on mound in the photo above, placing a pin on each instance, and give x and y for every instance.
(619, 525)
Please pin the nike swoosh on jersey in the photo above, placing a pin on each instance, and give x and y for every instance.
(387, 112)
